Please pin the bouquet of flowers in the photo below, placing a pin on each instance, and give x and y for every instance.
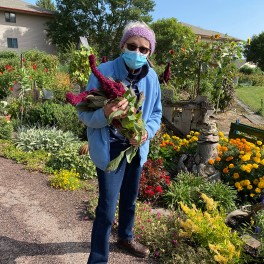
(130, 126)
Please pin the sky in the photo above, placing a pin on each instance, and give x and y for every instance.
(237, 18)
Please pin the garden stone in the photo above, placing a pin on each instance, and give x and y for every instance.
(252, 245)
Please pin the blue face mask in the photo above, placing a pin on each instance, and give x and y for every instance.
(133, 59)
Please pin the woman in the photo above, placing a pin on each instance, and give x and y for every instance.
(106, 143)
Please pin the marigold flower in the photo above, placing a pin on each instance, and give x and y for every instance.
(258, 190)
(236, 175)
(231, 166)
(211, 161)
(229, 158)
(225, 170)
(217, 158)
(259, 143)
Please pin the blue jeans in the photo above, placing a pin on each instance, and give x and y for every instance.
(122, 183)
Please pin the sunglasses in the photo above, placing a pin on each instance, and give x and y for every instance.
(133, 47)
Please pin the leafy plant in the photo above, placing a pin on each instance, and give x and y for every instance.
(68, 158)
(186, 188)
(159, 230)
(48, 139)
(154, 180)
(209, 230)
(6, 129)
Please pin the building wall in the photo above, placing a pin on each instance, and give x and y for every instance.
(29, 30)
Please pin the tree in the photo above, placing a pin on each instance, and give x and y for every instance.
(254, 51)
(47, 4)
(169, 31)
(101, 21)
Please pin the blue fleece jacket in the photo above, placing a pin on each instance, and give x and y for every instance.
(96, 122)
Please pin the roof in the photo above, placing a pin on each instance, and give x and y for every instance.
(208, 33)
(23, 7)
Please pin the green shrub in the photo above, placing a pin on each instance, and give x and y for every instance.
(48, 139)
(68, 158)
(8, 58)
(6, 129)
(208, 229)
(63, 116)
(186, 188)
(41, 59)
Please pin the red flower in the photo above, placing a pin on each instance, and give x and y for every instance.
(75, 99)
(46, 70)
(167, 73)
(159, 189)
(11, 88)
(112, 89)
(104, 59)
(34, 66)
(8, 67)
(171, 52)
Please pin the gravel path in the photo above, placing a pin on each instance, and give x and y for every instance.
(42, 225)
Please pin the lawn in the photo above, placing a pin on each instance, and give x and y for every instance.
(253, 96)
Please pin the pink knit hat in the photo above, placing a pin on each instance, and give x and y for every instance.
(139, 29)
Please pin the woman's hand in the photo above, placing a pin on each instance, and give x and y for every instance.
(134, 142)
(116, 106)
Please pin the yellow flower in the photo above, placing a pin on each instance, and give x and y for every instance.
(252, 195)
(249, 187)
(236, 175)
(231, 166)
(258, 190)
(259, 143)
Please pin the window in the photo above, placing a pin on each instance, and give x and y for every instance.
(10, 17)
(12, 43)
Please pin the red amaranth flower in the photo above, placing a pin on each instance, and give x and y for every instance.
(75, 99)
(104, 59)
(167, 73)
(112, 89)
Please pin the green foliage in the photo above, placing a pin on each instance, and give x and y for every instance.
(153, 182)
(251, 79)
(41, 59)
(79, 67)
(49, 114)
(6, 129)
(208, 229)
(8, 58)
(160, 232)
(198, 63)
(186, 188)
(32, 160)
(68, 158)
(254, 50)
(102, 21)
(47, 4)
(169, 31)
(48, 139)
(66, 180)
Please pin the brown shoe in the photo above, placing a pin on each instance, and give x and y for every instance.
(133, 247)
